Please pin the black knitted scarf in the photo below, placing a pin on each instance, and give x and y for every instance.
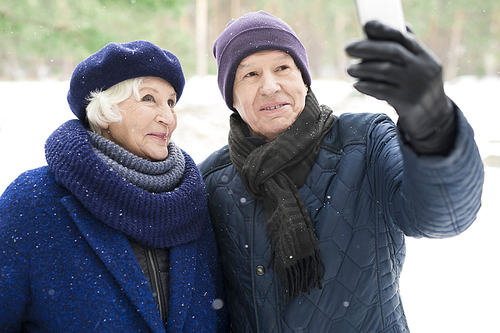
(273, 173)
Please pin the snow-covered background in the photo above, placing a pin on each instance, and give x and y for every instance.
(450, 285)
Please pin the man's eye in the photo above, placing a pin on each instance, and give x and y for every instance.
(171, 103)
(148, 98)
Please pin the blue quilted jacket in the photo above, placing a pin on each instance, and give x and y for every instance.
(365, 192)
(63, 270)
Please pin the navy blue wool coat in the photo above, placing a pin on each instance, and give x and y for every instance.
(62, 270)
(365, 192)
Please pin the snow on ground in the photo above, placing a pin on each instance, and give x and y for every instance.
(448, 285)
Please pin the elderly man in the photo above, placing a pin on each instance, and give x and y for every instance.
(311, 210)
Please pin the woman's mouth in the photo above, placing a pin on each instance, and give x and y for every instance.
(157, 136)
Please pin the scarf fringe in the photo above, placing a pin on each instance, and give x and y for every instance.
(301, 277)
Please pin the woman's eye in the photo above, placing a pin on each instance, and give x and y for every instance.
(171, 103)
(250, 74)
(282, 68)
(148, 98)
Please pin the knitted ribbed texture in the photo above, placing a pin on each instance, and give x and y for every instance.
(156, 177)
(158, 220)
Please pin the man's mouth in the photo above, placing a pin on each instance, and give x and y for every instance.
(274, 107)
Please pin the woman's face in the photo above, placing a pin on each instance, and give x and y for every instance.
(148, 123)
(269, 93)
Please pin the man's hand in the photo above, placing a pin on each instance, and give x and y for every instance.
(396, 68)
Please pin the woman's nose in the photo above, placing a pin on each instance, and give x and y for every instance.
(166, 116)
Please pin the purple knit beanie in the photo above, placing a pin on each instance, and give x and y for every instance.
(249, 34)
(115, 63)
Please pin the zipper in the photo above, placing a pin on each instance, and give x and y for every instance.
(155, 281)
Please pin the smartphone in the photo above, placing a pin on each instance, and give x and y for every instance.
(389, 12)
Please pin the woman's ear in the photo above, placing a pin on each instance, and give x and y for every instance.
(104, 126)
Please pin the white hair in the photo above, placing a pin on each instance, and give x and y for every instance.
(103, 105)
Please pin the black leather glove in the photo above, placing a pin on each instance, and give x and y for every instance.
(396, 68)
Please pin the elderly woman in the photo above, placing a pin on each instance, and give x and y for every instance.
(114, 234)
(310, 209)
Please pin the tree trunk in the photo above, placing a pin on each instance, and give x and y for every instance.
(340, 23)
(235, 9)
(201, 37)
(454, 51)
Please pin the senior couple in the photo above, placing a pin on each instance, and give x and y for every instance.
(297, 225)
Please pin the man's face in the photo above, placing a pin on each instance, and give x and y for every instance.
(269, 93)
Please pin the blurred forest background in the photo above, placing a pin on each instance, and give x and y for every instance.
(45, 39)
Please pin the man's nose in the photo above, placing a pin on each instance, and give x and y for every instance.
(270, 84)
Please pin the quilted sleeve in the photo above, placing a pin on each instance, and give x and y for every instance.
(425, 196)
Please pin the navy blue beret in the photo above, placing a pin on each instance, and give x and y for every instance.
(115, 63)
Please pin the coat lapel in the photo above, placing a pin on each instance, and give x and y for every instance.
(183, 261)
(114, 250)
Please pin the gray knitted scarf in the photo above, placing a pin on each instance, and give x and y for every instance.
(154, 177)
(273, 173)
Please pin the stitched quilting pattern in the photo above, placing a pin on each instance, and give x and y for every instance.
(354, 195)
